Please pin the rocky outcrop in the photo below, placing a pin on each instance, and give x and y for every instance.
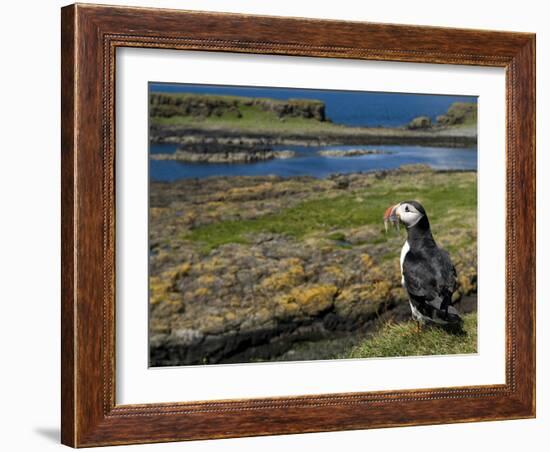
(459, 113)
(205, 106)
(224, 157)
(260, 299)
(350, 152)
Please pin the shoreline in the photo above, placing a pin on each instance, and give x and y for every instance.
(256, 155)
(438, 137)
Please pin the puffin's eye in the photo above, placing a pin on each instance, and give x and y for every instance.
(406, 208)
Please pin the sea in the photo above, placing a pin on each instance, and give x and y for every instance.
(350, 108)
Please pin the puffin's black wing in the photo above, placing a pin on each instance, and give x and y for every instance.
(430, 280)
(451, 280)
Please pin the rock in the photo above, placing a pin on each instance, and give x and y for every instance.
(459, 113)
(421, 122)
(350, 152)
(224, 157)
(187, 337)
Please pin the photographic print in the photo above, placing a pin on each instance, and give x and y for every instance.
(294, 224)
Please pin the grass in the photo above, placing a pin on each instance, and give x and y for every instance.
(253, 120)
(250, 117)
(457, 192)
(403, 339)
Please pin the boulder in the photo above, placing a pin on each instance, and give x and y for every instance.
(421, 122)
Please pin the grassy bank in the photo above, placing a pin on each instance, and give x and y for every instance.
(252, 120)
(451, 198)
(404, 339)
(246, 114)
(171, 114)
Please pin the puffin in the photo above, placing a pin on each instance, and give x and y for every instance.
(427, 272)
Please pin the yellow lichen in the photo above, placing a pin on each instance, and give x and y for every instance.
(201, 292)
(212, 265)
(240, 192)
(379, 291)
(365, 297)
(206, 279)
(213, 324)
(230, 316)
(465, 284)
(287, 306)
(367, 262)
(181, 270)
(279, 281)
(335, 270)
(158, 289)
(289, 261)
(314, 299)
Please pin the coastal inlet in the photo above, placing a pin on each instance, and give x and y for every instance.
(265, 234)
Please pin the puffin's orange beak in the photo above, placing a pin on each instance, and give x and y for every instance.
(390, 216)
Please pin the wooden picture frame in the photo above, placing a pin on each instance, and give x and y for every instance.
(90, 36)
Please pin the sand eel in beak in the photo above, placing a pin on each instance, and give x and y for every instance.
(427, 273)
(390, 217)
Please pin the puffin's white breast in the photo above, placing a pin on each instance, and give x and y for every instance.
(404, 252)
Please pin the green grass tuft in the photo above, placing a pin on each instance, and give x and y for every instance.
(403, 339)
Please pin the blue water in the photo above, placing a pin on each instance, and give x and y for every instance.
(352, 108)
(308, 163)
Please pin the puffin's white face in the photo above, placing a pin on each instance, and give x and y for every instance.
(408, 214)
(403, 212)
